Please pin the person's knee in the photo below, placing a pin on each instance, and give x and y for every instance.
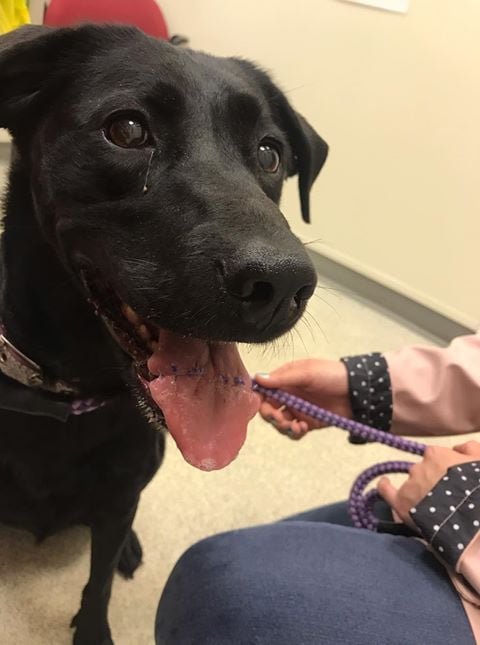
(205, 594)
(241, 586)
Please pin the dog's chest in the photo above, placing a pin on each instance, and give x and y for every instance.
(54, 474)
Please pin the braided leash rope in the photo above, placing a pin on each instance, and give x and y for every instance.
(360, 504)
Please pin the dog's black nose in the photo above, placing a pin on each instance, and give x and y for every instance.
(268, 285)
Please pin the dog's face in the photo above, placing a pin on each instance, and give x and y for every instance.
(156, 174)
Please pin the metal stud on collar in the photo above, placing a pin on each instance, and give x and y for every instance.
(20, 368)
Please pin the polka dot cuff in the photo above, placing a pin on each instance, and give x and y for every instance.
(370, 390)
(449, 516)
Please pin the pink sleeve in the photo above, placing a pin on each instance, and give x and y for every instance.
(469, 563)
(436, 391)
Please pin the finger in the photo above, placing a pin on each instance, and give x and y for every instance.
(415, 470)
(282, 415)
(392, 496)
(292, 434)
(281, 426)
(299, 427)
(304, 427)
(268, 410)
(468, 448)
(429, 452)
(263, 378)
(285, 376)
(436, 453)
(388, 491)
(280, 420)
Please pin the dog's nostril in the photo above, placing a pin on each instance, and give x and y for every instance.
(305, 293)
(258, 292)
(302, 295)
(251, 290)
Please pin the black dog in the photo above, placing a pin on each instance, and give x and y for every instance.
(142, 238)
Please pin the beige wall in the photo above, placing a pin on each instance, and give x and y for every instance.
(4, 163)
(398, 99)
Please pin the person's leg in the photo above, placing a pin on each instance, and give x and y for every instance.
(308, 582)
(337, 514)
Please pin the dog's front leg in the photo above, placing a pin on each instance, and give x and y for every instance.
(108, 537)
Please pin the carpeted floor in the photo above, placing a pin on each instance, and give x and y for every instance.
(40, 585)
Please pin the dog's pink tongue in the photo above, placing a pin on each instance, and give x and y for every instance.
(204, 392)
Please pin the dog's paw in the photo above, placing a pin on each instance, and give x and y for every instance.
(89, 641)
(88, 632)
(131, 556)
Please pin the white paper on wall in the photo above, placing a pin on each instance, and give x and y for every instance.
(399, 6)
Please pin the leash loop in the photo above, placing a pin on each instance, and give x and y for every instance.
(360, 503)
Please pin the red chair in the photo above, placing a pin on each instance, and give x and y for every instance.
(144, 14)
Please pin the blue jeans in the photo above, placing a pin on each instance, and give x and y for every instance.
(312, 579)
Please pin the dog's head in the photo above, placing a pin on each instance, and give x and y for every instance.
(156, 174)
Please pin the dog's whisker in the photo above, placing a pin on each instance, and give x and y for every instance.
(305, 321)
(294, 89)
(321, 330)
(329, 304)
(336, 291)
(297, 333)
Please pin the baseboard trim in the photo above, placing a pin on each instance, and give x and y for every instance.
(395, 304)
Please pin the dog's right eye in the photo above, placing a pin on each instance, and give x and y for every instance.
(127, 132)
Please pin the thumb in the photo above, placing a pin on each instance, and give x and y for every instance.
(263, 378)
(388, 491)
(287, 376)
(469, 448)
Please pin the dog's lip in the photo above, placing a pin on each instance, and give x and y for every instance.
(127, 328)
(138, 337)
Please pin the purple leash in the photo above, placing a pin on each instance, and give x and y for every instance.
(360, 504)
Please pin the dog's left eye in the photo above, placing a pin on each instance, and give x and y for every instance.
(127, 132)
(268, 157)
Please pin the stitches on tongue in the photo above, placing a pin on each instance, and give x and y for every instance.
(207, 418)
(192, 372)
(207, 411)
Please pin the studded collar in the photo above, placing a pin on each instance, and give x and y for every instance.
(40, 397)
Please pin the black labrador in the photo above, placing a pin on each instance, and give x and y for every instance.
(142, 239)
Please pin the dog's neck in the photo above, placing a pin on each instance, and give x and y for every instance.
(45, 314)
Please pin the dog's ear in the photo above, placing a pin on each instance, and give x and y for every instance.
(310, 152)
(35, 62)
(309, 149)
(27, 58)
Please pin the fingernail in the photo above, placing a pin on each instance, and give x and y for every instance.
(263, 374)
(272, 422)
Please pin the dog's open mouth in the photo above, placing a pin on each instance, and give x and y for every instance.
(201, 387)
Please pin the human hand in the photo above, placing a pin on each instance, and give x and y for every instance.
(322, 382)
(424, 475)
